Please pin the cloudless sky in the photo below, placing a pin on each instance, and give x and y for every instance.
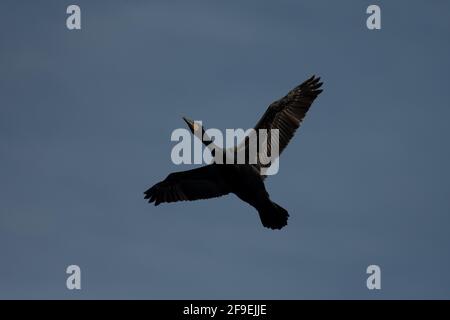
(85, 124)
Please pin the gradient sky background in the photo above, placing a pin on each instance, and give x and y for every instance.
(85, 124)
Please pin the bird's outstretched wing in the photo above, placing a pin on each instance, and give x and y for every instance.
(287, 113)
(200, 183)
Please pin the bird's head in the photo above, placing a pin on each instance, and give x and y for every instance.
(199, 131)
(193, 126)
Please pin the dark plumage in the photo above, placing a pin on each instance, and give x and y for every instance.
(244, 180)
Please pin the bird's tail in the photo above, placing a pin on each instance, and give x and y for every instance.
(273, 216)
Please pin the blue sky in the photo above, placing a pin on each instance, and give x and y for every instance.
(85, 124)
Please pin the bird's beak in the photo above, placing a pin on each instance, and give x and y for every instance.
(191, 124)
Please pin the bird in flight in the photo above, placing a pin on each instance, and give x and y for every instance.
(244, 180)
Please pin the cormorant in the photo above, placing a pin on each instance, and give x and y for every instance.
(244, 180)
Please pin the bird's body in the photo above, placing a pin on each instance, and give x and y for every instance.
(244, 180)
(249, 187)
